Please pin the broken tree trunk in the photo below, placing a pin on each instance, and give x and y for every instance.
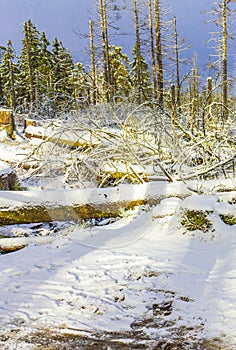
(7, 120)
(22, 207)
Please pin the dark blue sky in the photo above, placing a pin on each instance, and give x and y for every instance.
(62, 18)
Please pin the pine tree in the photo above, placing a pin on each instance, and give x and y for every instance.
(62, 70)
(81, 84)
(30, 61)
(46, 65)
(9, 76)
(2, 51)
(120, 82)
(142, 81)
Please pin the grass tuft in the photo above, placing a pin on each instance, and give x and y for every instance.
(228, 219)
(196, 220)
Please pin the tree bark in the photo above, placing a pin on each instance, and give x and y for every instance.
(154, 73)
(159, 53)
(224, 60)
(138, 48)
(93, 67)
(178, 102)
(22, 207)
(104, 48)
(12, 81)
(29, 63)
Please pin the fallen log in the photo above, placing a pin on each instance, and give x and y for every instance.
(23, 207)
(10, 245)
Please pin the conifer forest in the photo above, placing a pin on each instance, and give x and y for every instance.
(118, 183)
(170, 112)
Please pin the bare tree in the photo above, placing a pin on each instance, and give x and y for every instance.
(104, 36)
(93, 66)
(29, 62)
(177, 63)
(221, 14)
(224, 72)
(159, 63)
(152, 43)
(138, 51)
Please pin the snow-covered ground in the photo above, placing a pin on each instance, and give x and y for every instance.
(140, 282)
(139, 275)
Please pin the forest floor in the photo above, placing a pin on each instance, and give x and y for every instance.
(143, 281)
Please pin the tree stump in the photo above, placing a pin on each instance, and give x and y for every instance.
(7, 120)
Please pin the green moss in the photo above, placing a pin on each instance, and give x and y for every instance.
(18, 187)
(196, 220)
(228, 219)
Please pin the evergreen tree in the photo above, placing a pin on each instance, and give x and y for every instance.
(2, 51)
(9, 76)
(120, 83)
(81, 84)
(46, 65)
(30, 62)
(143, 79)
(62, 68)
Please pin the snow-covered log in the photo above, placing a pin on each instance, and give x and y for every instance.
(8, 245)
(44, 206)
(55, 134)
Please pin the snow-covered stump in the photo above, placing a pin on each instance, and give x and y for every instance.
(7, 120)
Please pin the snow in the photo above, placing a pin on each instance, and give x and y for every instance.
(138, 273)
(110, 278)
(4, 169)
(93, 196)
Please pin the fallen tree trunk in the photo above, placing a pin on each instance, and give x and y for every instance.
(208, 170)
(9, 245)
(23, 207)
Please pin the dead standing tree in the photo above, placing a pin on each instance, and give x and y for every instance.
(138, 50)
(221, 14)
(93, 66)
(159, 62)
(29, 61)
(152, 43)
(105, 45)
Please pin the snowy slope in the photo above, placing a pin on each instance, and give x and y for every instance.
(138, 274)
(141, 279)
